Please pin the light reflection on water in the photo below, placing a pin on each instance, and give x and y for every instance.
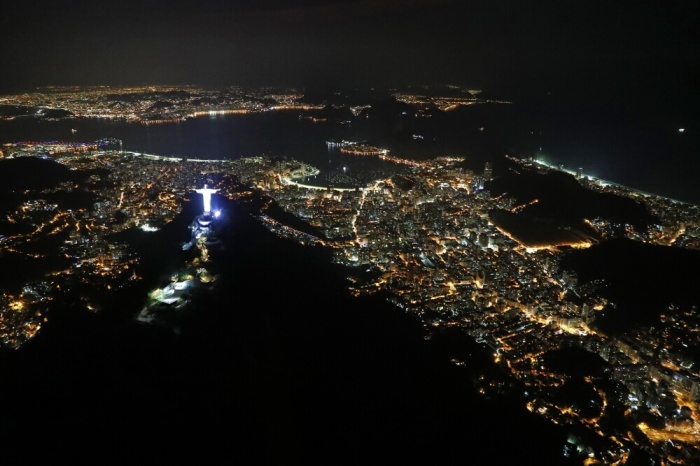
(651, 157)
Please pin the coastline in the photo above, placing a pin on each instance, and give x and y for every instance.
(600, 181)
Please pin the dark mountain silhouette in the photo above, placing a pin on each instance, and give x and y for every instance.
(34, 173)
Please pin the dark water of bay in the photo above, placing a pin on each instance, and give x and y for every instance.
(650, 148)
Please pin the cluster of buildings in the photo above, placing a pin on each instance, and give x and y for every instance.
(444, 103)
(362, 149)
(124, 191)
(428, 240)
(157, 104)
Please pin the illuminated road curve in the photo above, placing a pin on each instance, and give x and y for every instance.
(174, 159)
(288, 181)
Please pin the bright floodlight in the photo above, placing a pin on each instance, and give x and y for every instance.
(206, 194)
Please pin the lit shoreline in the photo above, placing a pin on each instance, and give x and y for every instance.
(599, 181)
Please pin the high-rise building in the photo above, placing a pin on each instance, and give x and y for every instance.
(579, 173)
(483, 240)
(488, 171)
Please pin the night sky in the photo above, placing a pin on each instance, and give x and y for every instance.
(638, 47)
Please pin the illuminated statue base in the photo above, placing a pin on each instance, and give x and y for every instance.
(204, 220)
(202, 226)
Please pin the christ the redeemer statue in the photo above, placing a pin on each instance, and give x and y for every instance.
(206, 194)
